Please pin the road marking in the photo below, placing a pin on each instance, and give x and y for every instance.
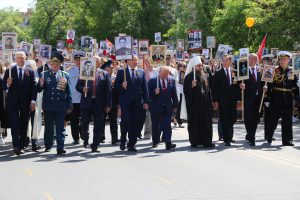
(277, 159)
(48, 196)
(164, 180)
(29, 172)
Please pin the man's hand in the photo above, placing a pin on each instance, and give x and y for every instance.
(242, 86)
(216, 105)
(124, 85)
(265, 88)
(194, 83)
(85, 90)
(32, 106)
(9, 82)
(41, 81)
(145, 106)
(107, 109)
(157, 90)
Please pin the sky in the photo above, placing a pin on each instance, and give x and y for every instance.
(22, 5)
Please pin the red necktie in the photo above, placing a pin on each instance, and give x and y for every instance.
(227, 75)
(164, 86)
(253, 75)
(94, 88)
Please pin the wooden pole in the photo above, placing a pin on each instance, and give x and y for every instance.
(243, 104)
(262, 98)
(125, 73)
(86, 81)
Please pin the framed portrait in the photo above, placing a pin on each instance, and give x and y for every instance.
(27, 46)
(87, 68)
(181, 77)
(68, 65)
(87, 43)
(222, 50)
(135, 51)
(103, 45)
(210, 42)
(244, 52)
(36, 44)
(205, 53)
(9, 41)
(157, 37)
(45, 51)
(274, 52)
(70, 34)
(7, 57)
(242, 69)
(60, 45)
(158, 55)
(135, 43)
(194, 39)
(179, 54)
(265, 51)
(123, 45)
(268, 73)
(296, 63)
(144, 47)
(180, 44)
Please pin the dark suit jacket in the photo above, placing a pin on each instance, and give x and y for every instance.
(20, 92)
(166, 99)
(251, 88)
(137, 91)
(223, 93)
(103, 92)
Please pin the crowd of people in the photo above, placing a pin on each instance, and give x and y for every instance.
(143, 100)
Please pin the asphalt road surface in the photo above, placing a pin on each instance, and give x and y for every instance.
(240, 172)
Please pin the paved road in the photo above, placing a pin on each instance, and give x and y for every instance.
(239, 172)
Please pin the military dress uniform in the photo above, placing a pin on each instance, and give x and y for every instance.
(281, 103)
(57, 101)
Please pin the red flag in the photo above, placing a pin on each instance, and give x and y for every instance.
(261, 48)
(109, 44)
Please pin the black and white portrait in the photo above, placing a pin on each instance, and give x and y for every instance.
(87, 68)
(87, 43)
(144, 47)
(45, 51)
(123, 45)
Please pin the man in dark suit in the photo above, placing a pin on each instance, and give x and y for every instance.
(133, 99)
(225, 95)
(21, 98)
(57, 102)
(95, 100)
(163, 103)
(253, 94)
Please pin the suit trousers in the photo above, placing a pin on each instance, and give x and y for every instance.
(161, 123)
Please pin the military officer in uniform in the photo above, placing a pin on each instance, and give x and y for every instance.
(281, 100)
(57, 102)
(74, 116)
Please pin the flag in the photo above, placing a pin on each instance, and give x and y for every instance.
(109, 44)
(261, 48)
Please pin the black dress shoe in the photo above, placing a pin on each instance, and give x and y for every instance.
(17, 151)
(140, 137)
(154, 145)
(170, 146)
(85, 144)
(288, 144)
(95, 150)
(194, 145)
(47, 149)
(102, 141)
(36, 148)
(61, 152)
(220, 139)
(122, 146)
(233, 141)
(133, 149)
(227, 144)
(76, 142)
(252, 143)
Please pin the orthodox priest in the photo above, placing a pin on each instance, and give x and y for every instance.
(198, 104)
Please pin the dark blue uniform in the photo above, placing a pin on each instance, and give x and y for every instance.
(131, 101)
(56, 101)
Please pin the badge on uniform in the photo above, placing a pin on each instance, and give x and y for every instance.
(62, 83)
(290, 75)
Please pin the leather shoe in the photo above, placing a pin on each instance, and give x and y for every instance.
(61, 152)
(95, 150)
(154, 145)
(85, 144)
(47, 149)
(122, 146)
(288, 144)
(133, 149)
(252, 143)
(227, 144)
(17, 151)
(170, 146)
(36, 148)
(76, 142)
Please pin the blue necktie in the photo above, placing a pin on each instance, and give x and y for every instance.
(132, 75)
(20, 75)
